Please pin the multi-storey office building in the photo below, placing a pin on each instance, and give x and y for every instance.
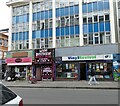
(83, 33)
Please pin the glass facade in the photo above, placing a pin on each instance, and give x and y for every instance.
(96, 24)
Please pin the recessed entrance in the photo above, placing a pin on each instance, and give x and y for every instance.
(82, 71)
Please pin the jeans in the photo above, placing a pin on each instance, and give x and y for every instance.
(92, 79)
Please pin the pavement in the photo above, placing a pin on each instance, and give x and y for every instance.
(64, 84)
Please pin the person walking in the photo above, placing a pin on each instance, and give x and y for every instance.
(92, 77)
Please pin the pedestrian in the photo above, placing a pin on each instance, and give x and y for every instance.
(92, 77)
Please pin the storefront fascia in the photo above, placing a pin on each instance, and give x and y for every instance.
(82, 64)
(21, 63)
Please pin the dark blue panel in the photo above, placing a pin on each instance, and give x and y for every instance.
(34, 16)
(71, 30)
(46, 14)
(37, 34)
(90, 28)
(66, 10)
(42, 15)
(107, 26)
(27, 35)
(62, 31)
(71, 10)
(57, 12)
(95, 6)
(84, 8)
(42, 33)
(24, 36)
(85, 29)
(50, 13)
(106, 5)
(66, 30)
(100, 5)
(76, 9)
(27, 17)
(77, 31)
(13, 36)
(20, 36)
(46, 33)
(33, 34)
(101, 25)
(89, 7)
(62, 13)
(17, 20)
(50, 32)
(95, 27)
(38, 15)
(16, 36)
(57, 31)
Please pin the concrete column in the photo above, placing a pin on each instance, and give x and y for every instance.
(80, 23)
(10, 30)
(54, 24)
(112, 21)
(30, 25)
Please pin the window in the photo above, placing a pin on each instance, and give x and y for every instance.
(72, 41)
(1, 41)
(42, 43)
(108, 38)
(67, 41)
(46, 42)
(77, 42)
(90, 20)
(57, 42)
(85, 20)
(96, 38)
(95, 18)
(102, 40)
(90, 38)
(101, 18)
(5, 43)
(7, 94)
(85, 39)
(107, 18)
(50, 43)
(38, 43)
(71, 20)
(62, 21)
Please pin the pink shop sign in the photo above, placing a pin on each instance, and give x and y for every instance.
(19, 60)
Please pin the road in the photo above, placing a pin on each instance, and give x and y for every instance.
(67, 96)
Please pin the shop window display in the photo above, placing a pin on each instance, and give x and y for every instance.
(67, 70)
(103, 70)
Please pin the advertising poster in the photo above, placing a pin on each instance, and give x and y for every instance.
(116, 70)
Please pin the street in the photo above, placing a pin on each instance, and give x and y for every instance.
(67, 96)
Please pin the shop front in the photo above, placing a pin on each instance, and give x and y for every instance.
(20, 62)
(79, 67)
(44, 64)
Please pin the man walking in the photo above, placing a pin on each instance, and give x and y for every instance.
(92, 77)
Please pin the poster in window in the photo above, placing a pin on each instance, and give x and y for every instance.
(66, 66)
(101, 65)
(70, 66)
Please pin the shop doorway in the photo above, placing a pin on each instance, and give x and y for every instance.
(82, 71)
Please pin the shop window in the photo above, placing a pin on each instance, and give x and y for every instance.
(67, 70)
(103, 70)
